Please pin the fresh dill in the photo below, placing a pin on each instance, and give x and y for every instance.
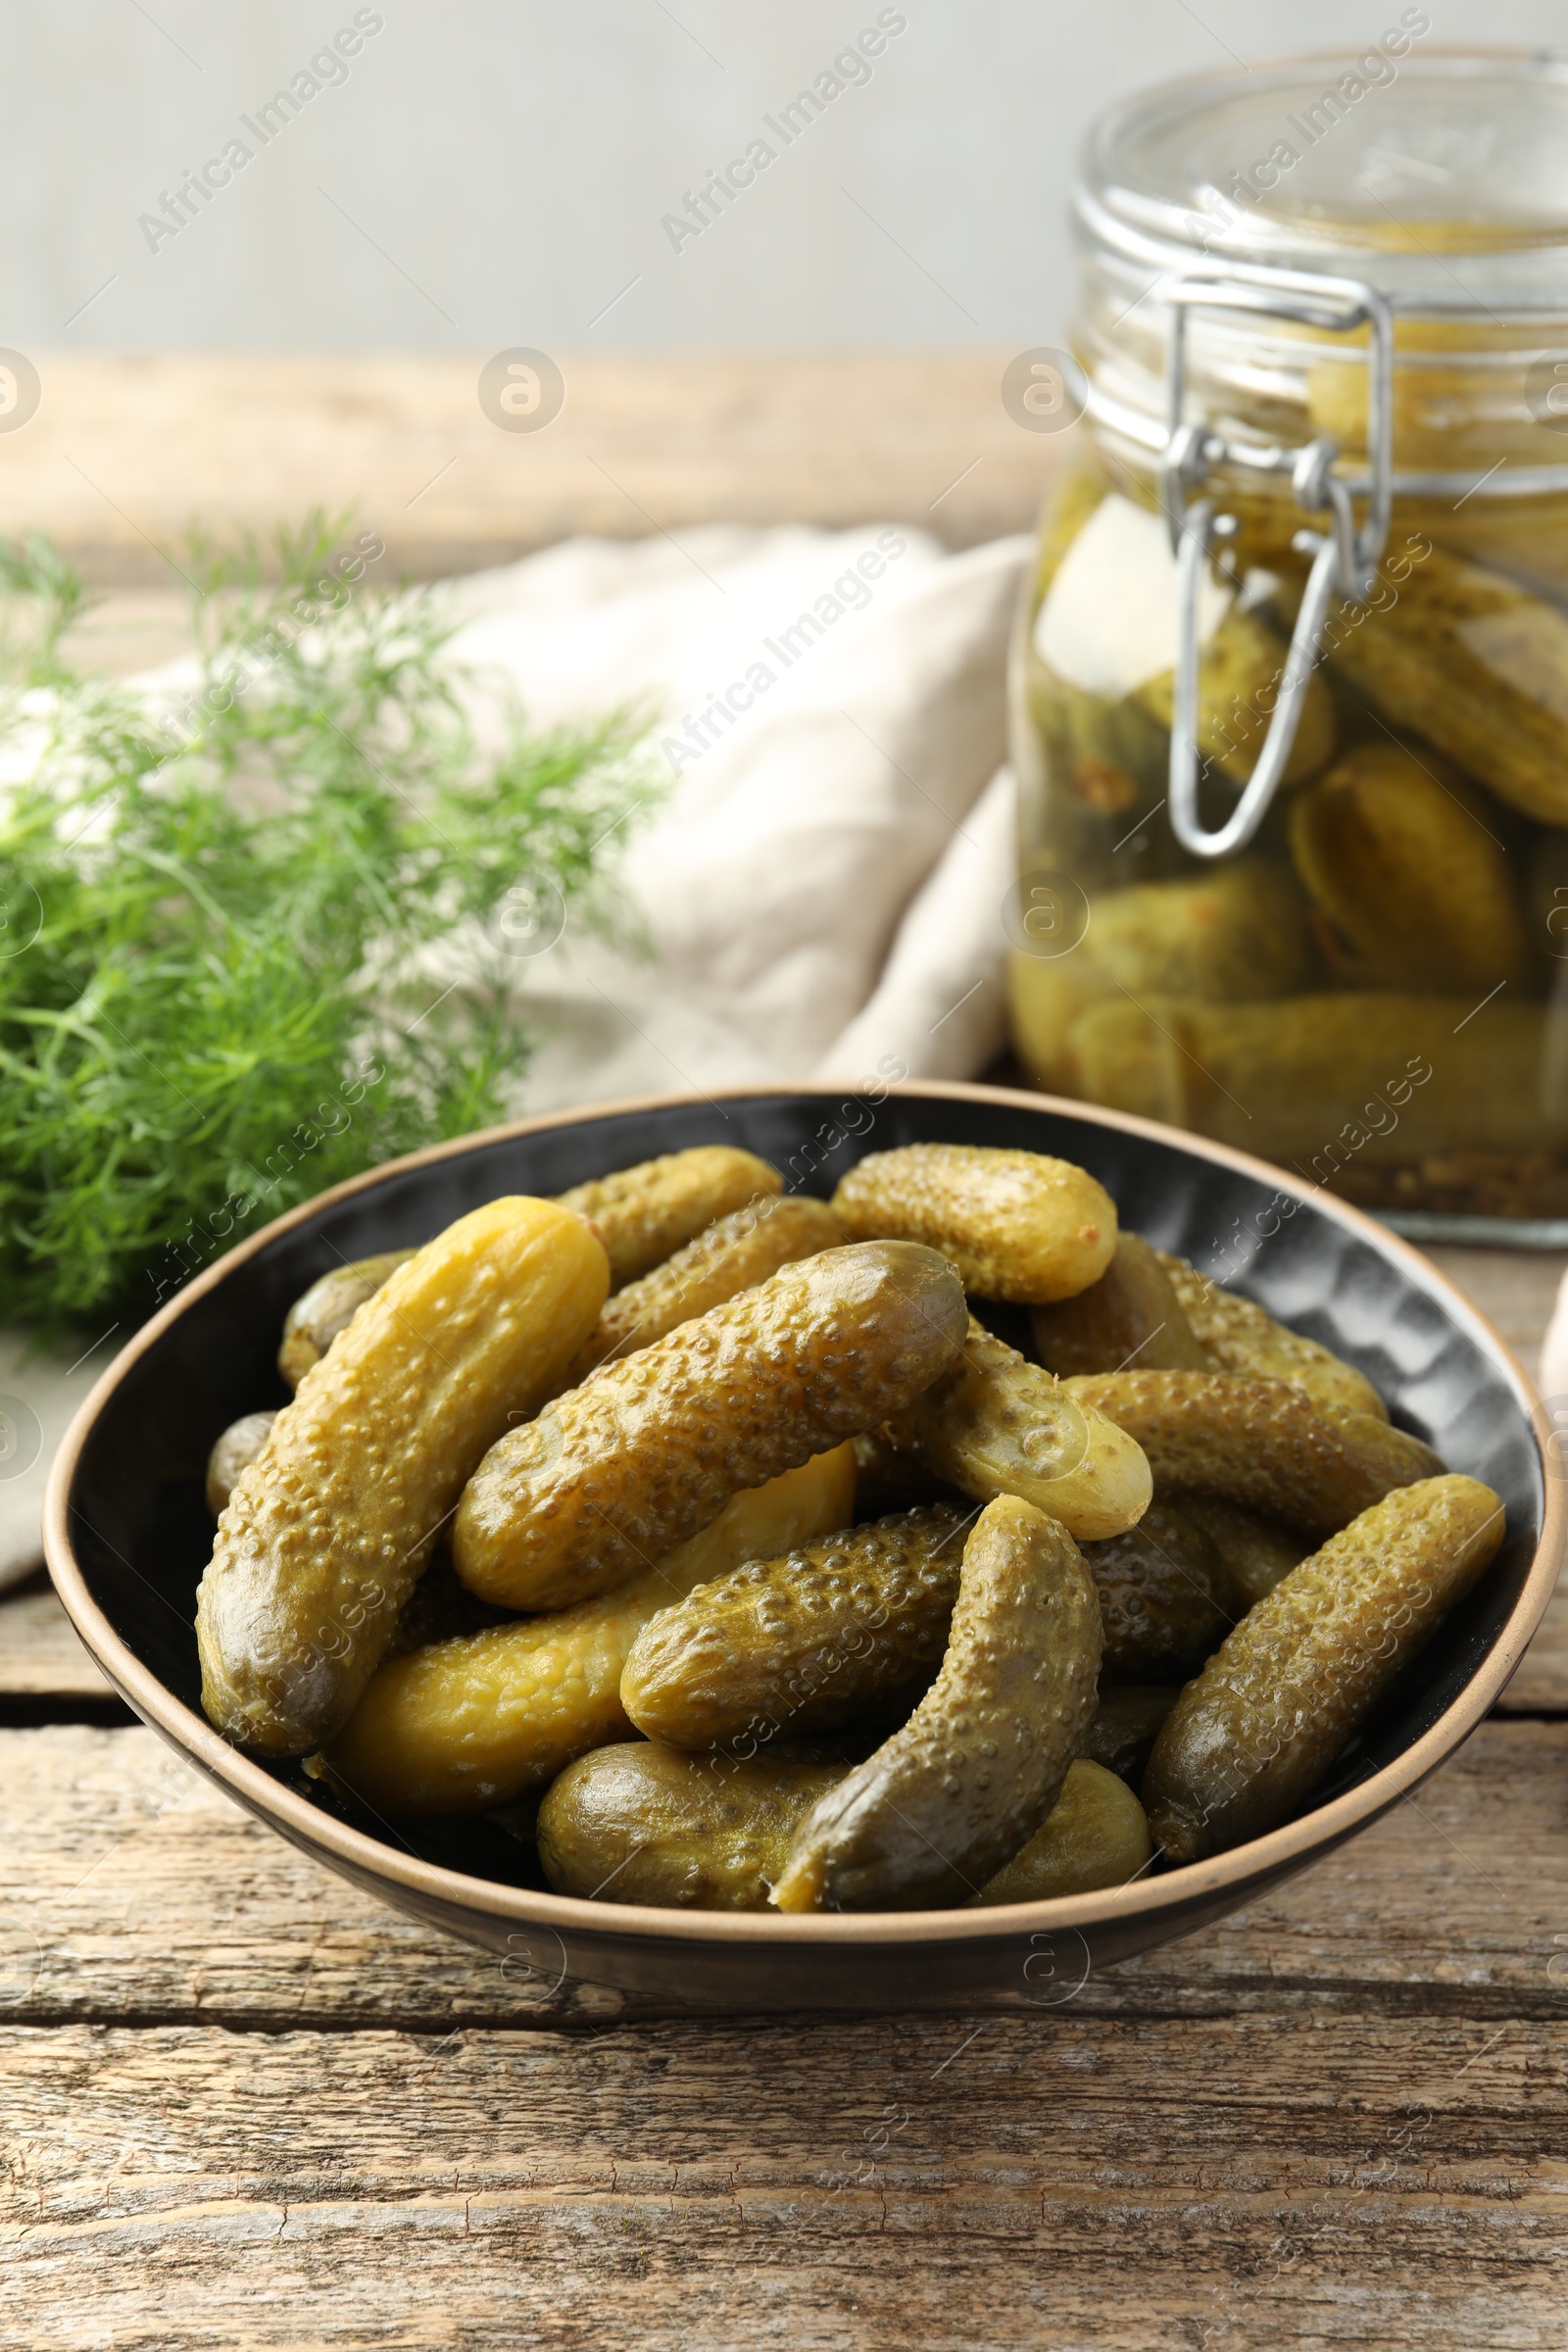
(248, 938)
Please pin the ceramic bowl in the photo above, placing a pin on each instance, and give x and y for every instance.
(128, 1534)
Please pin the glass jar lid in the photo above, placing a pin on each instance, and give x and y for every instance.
(1397, 165)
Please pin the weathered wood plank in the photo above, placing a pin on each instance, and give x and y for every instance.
(137, 1892)
(1071, 2179)
(39, 1651)
(646, 441)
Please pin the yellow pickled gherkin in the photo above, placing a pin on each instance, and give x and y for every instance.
(1096, 1835)
(1250, 1739)
(1258, 1442)
(1016, 1224)
(943, 1805)
(1240, 1335)
(463, 1726)
(327, 1531)
(649, 1449)
(996, 1424)
(645, 1213)
(732, 1256)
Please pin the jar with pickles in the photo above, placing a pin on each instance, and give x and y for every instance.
(1290, 680)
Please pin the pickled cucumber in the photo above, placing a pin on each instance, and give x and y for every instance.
(1130, 1315)
(1331, 1082)
(943, 1805)
(464, 1725)
(1258, 1443)
(1256, 1552)
(851, 1627)
(1163, 1594)
(1240, 1335)
(327, 1531)
(645, 1823)
(1124, 1726)
(888, 1481)
(315, 1318)
(241, 1442)
(1096, 1835)
(1251, 1738)
(1017, 1225)
(734, 1255)
(996, 1424)
(649, 1449)
(1239, 673)
(1238, 932)
(643, 1214)
(1473, 663)
(1410, 884)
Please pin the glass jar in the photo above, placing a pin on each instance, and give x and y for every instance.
(1290, 680)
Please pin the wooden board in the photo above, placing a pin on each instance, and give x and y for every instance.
(126, 449)
(247, 2106)
(238, 2086)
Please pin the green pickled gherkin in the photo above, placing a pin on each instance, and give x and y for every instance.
(1258, 1442)
(638, 1823)
(1125, 1725)
(1163, 1594)
(1250, 1739)
(851, 1626)
(1017, 1225)
(1240, 1335)
(1130, 1315)
(1096, 1835)
(1410, 884)
(1256, 1552)
(649, 1449)
(943, 1805)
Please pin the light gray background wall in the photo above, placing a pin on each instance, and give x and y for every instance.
(494, 171)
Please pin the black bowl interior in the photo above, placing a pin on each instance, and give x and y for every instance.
(142, 1533)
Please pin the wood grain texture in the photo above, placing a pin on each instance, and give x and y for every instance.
(126, 449)
(1076, 2180)
(39, 1651)
(136, 1892)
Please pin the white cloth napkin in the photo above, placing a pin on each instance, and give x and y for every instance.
(820, 892)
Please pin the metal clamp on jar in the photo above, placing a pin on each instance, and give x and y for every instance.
(1290, 686)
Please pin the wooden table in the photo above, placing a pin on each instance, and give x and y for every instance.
(246, 2106)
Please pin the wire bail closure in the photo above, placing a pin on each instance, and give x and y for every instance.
(1345, 555)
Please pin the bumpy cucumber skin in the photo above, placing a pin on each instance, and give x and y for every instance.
(327, 1307)
(1250, 1740)
(649, 1449)
(851, 1626)
(732, 1256)
(1240, 1335)
(996, 1424)
(1096, 1835)
(646, 1824)
(1258, 1442)
(1163, 1594)
(327, 1531)
(645, 1213)
(1016, 1224)
(943, 1805)
(1130, 1316)
(464, 1726)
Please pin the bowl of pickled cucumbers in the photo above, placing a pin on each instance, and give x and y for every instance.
(798, 1549)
